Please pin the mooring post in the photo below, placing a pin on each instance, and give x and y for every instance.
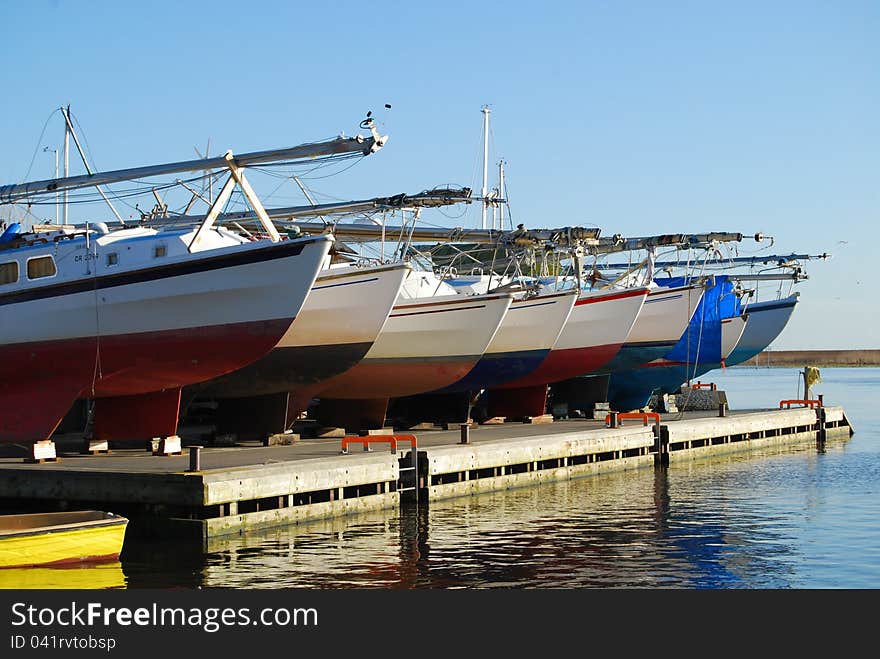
(415, 467)
(195, 454)
(821, 422)
(661, 445)
(465, 429)
(722, 409)
(613, 422)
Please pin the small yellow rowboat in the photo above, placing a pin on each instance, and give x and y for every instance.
(60, 538)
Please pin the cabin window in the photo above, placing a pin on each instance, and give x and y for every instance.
(42, 266)
(159, 250)
(112, 258)
(9, 272)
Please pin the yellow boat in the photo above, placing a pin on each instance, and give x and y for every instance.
(60, 538)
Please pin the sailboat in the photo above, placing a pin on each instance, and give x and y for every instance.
(128, 317)
(130, 312)
(432, 338)
(346, 309)
(527, 333)
(766, 321)
(526, 336)
(702, 347)
(594, 332)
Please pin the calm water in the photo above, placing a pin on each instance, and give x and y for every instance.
(779, 518)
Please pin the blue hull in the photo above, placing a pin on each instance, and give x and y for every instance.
(630, 390)
(633, 355)
(497, 368)
(697, 352)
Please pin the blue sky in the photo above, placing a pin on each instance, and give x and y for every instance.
(637, 117)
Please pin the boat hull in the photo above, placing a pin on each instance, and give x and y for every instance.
(766, 322)
(528, 332)
(593, 334)
(708, 338)
(633, 389)
(145, 330)
(426, 344)
(658, 327)
(61, 539)
(335, 329)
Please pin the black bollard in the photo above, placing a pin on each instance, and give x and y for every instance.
(195, 458)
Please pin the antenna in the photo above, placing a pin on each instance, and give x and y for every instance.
(485, 110)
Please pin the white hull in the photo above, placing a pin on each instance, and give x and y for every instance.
(601, 318)
(731, 331)
(341, 318)
(347, 305)
(117, 319)
(534, 323)
(665, 315)
(442, 326)
(123, 302)
(426, 344)
(595, 331)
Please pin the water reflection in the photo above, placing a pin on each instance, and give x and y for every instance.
(78, 577)
(711, 523)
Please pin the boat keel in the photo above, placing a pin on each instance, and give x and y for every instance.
(139, 417)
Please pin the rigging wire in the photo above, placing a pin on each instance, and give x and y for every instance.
(39, 141)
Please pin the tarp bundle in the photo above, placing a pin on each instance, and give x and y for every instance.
(701, 341)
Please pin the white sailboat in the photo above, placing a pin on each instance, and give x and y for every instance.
(428, 342)
(129, 317)
(339, 322)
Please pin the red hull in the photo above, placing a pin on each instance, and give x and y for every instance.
(565, 364)
(378, 379)
(142, 416)
(40, 381)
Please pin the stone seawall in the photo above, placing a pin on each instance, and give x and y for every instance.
(815, 358)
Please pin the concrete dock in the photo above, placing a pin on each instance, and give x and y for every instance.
(250, 485)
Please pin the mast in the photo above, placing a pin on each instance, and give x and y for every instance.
(501, 195)
(71, 131)
(55, 151)
(66, 162)
(337, 146)
(485, 190)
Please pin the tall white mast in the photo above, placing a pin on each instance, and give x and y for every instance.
(66, 160)
(485, 190)
(55, 151)
(501, 194)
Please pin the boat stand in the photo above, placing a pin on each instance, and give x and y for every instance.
(95, 446)
(165, 445)
(42, 451)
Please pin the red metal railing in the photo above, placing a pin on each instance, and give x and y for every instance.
(809, 403)
(371, 439)
(644, 416)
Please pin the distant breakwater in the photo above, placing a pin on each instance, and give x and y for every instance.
(819, 358)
